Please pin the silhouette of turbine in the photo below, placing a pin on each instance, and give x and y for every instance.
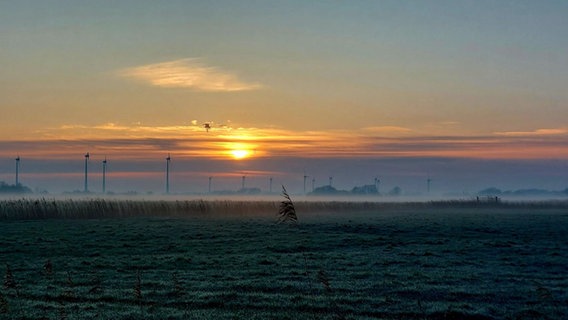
(17, 170)
(104, 175)
(168, 159)
(305, 177)
(377, 182)
(270, 185)
(86, 172)
(209, 189)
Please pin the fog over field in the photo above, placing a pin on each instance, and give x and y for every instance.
(449, 177)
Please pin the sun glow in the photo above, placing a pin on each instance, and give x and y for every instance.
(240, 154)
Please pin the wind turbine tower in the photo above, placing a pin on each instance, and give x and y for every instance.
(330, 181)
(17, 171)
(168, 159)
(104, 175)
(377, 182)
(86, 171)
(270, 185)
(313, 184)
(305, 177)
(209, 188)
(428, 182)
(243, 182)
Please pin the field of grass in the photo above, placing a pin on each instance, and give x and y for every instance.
(390, 262)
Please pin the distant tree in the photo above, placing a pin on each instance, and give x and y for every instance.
(249, 191)
(13, 188)
(366, 189)
(396, 191)
(489, 192)
(327, 189)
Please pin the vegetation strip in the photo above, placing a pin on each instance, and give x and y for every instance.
(27, 208)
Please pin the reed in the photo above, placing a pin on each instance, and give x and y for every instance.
(287, 214)
(287, 211)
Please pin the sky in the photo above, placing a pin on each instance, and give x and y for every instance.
(471, 94)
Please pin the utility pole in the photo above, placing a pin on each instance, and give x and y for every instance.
(86, 172)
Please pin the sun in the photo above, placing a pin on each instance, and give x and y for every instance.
(240, 154)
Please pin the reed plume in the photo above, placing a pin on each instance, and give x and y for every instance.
(287, 211)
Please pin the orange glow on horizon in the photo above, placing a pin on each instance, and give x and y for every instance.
(240, 154)
(144, 143)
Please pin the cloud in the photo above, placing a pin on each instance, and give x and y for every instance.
(538, 132)
(192, 141)
(188, 73)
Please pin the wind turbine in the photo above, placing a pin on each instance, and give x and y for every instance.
(168, 159)
(305, 177)
(104, 175)
(313, 184)
(243, 182)
(270, 185)
(17, 170)
(330, 181)
(209, 189)
(86, 167)
(377, 182)
(428, 182)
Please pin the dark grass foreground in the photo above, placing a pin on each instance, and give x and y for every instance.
(369, 261)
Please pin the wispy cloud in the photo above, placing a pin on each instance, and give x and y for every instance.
(189, 73)
(538, 132)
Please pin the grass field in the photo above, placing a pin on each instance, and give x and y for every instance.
(393, 263)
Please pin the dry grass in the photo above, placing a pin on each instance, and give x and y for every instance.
(287, 211)
(33, 209)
